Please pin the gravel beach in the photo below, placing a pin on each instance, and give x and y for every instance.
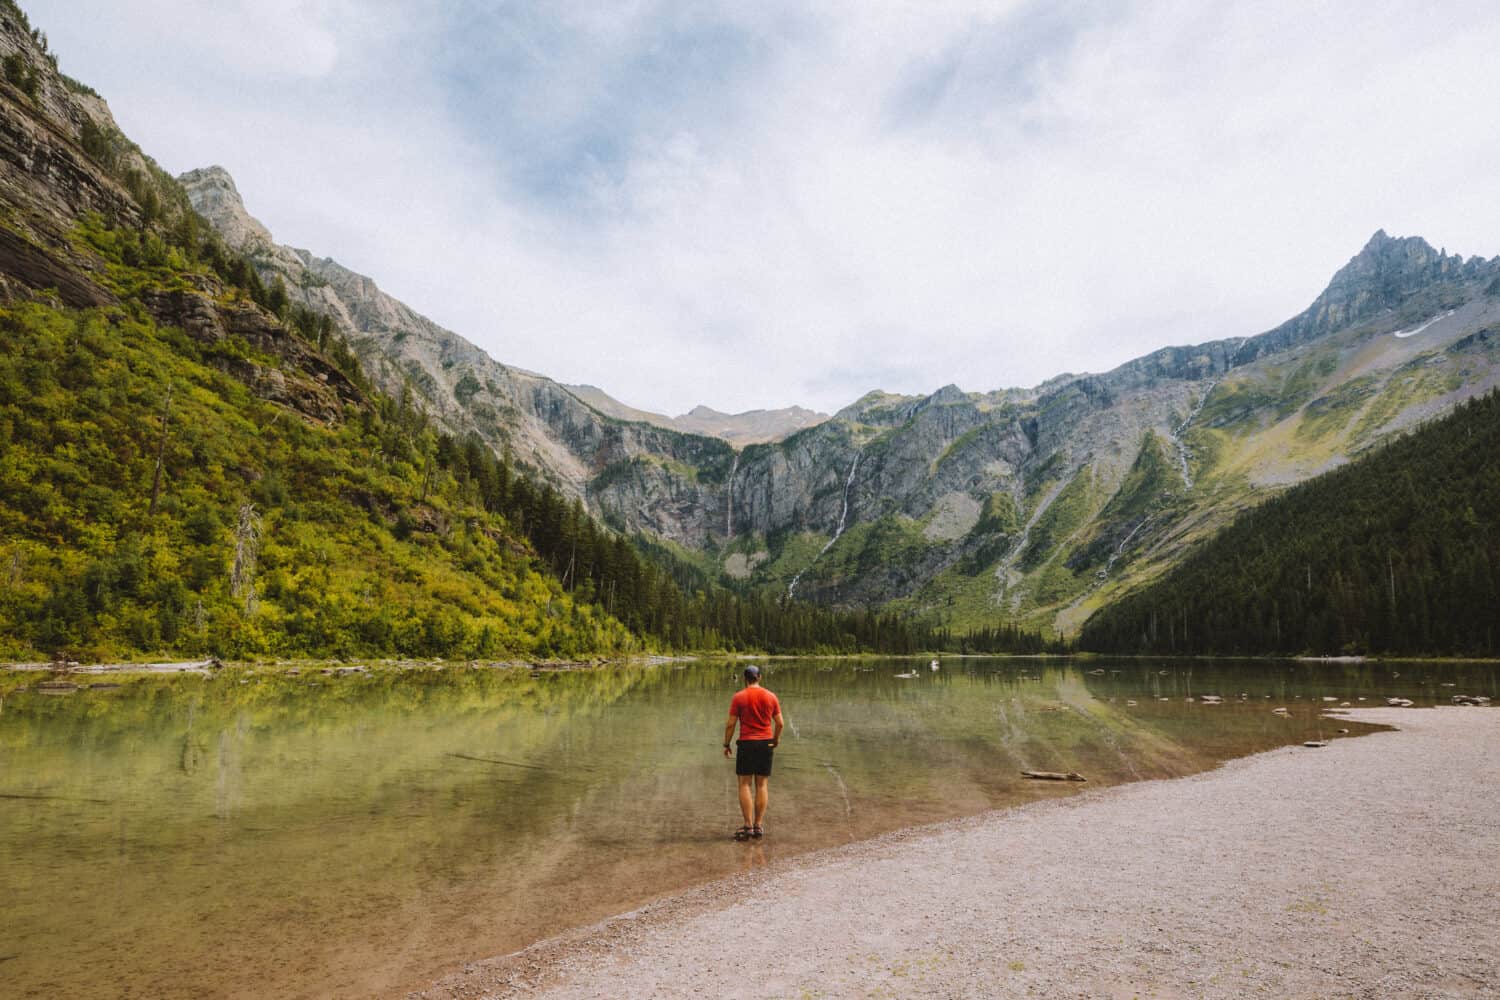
(1364, 869)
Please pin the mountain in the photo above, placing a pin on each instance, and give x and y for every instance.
(1041, 505)
(1026, 505)
(749, 427)
(1397, 552)
(1048, 503)
(739, 429)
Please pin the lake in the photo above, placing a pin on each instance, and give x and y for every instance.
(263, 834)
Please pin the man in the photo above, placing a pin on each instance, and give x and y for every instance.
(759, 716)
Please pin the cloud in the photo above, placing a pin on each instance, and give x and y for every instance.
(762, 204)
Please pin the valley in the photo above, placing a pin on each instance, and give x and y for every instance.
(1024, 508)
(881, 504)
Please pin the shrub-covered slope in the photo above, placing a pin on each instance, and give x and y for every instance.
(149, 500)
(1398, 552)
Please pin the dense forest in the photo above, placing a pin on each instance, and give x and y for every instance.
(1398, 552)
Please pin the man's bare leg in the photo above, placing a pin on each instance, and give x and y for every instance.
(746, 797)
(762, 797)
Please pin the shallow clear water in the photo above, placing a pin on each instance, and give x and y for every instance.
(257, 834)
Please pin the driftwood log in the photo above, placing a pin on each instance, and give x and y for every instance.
(1053, 776)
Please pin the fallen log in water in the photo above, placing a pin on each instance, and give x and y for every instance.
(496, 760)
(1053, 776)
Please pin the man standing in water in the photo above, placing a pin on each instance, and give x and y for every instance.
(759, 716)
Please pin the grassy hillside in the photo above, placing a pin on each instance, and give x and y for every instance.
(265, 532)
(1398, 552)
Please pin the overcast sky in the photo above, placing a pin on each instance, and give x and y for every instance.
(754, 204)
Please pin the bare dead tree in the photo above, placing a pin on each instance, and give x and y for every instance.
(246, 552)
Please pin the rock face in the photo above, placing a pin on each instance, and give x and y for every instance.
(62, 157)
(47, 181)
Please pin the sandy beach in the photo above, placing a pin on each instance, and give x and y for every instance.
(1363, 869)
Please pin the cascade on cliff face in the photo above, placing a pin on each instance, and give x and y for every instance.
(729, 498)
(1175, 434)
(791, 590)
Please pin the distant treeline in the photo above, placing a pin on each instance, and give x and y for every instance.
(1398, 552)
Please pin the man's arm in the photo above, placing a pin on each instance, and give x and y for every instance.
(729, 733)
(776, 735)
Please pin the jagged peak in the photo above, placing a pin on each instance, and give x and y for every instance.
(211, 174)
(1384, 255)
(214, 196)
(1381, 244)
(949, 393)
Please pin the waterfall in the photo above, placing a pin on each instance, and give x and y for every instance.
(729, 499)
(1176, 435)
(791, 590)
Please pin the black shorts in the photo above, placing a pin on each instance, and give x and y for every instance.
(754, 757)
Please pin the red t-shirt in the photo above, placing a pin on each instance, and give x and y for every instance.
(756, 708)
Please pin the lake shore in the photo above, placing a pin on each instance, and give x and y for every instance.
(1362, 868)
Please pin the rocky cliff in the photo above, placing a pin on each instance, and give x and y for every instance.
(77, 195)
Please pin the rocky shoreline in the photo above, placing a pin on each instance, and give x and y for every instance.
(1361, 869)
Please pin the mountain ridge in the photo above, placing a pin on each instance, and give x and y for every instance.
(363, 310)
(757, 426)
(918, 475)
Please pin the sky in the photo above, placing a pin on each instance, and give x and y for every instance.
(787, 202)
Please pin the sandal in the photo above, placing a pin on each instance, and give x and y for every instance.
(757, 832)
(744, 833)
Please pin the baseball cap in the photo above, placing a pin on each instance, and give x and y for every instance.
(751, 670)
